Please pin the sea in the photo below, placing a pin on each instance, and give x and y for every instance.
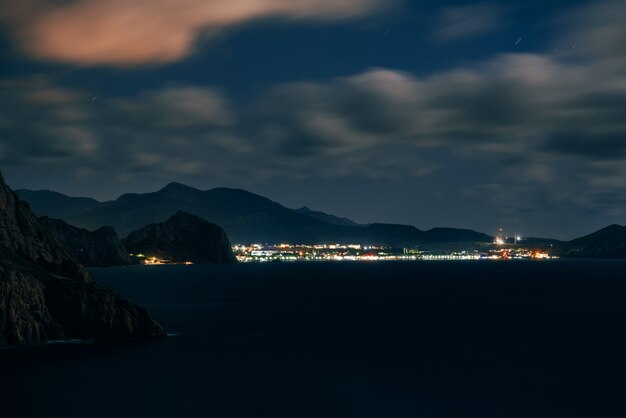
(504, 339)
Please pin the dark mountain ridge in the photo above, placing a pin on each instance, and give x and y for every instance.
(325, 217)
(54, 205)
(608, 242)
(247, 217)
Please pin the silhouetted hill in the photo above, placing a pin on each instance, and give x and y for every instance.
(100, 248)
(55, 205)
(402, 233)
(325, 217)
(455, 235)
(247, 217)
(183, 237)
(609, 242)
(539, 243)
(45, 293)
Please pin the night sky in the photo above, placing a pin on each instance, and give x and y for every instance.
(467, 114)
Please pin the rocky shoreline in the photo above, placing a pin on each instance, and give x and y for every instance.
(45, 293)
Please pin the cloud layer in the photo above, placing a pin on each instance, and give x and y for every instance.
(530, 131)
(134, 32)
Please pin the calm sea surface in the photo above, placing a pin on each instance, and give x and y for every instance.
(421, 339)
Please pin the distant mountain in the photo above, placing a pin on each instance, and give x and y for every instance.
(455, 235)
(183, 237)
(56, 205)
(100, 248)
(539, 243)
(325, 217)
(247, 217)
(609, 242)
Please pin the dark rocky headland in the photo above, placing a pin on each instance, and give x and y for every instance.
(99, 248)
(183, 237)
(46, 294)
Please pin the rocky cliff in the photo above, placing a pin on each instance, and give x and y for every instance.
(46, 294)
(183, 237)
(100, 248)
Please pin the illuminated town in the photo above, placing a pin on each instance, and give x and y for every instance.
(502, 248)
(355, 252)
(155, 261)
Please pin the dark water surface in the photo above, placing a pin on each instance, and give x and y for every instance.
(423, 339)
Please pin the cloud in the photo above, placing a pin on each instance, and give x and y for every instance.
(175, 130)
(492, 108)
(36, 127)
(136, 32)
(177, 108)
(467, 21)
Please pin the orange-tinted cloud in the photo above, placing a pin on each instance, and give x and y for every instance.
(135, 32)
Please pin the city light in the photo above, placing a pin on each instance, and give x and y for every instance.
(156, 261)
(260, 253)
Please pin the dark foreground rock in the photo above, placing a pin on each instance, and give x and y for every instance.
(100, 248)
(183, 237)
(46, 294)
